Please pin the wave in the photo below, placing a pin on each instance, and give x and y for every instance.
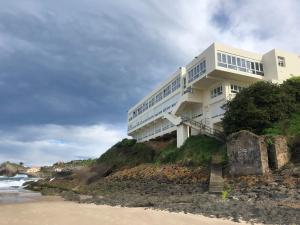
(14, 182)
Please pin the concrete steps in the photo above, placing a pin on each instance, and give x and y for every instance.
(216, 182)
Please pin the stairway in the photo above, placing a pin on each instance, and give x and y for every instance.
(204, 129)
(216, 182)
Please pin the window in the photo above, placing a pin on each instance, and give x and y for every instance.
(174, 85)
(235, 88)
(248, 66)
(158, 97)
(219, 57)
(140, 109)
(216, 91)
(281, 61)
(197, 71)
(223, 58)
(167, 91)
(233, 60)
(229, 59)
(261, 67)
(239, 63)
(243, 63)
(145, 106)
(151, 102)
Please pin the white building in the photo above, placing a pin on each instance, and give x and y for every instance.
(191, 100)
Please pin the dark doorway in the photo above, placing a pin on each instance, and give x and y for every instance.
(271, 156)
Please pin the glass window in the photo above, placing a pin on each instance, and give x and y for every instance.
(216, 92)
(248, 65)
(151, 102)
(167, 91)
(257, 66)
(261, 67)
(238, 61)
(281, 61)
(233, 60)
(203, 69)
(235, 88)
(219, 57)
(229, 59)
(158, 97)
(223, 58)
(243, 63)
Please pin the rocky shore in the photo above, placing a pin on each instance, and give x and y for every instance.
(270, 199)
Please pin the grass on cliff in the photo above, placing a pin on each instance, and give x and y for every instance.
(197, 150)
(127, 153)
(288, 127)
(291, 129)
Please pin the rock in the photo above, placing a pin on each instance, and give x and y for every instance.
(252, 195)
(8, 169)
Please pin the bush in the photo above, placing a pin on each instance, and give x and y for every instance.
(127, 153)
(197, 150)
(259, 106)
(292, 88)
(125, 143)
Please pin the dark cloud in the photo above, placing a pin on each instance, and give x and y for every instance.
(73, 65)
(70, 69)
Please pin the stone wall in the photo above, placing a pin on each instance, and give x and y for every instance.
(247, 154)
(250, 154)
(281, 152)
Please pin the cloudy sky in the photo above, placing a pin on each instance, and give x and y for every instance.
(70, 69)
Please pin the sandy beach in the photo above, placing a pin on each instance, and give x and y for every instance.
(59, 212)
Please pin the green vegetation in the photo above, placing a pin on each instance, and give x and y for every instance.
(260, 106)
(288, 127)
(197, 150)
(269, 109)
(127, 153)
(225, 195)
(75, 163)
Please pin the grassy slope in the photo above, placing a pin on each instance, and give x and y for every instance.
(291, 129)
(197, 150)
(127, 153)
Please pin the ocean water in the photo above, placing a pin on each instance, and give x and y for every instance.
(12, 191)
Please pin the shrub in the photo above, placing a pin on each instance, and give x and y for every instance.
(197, 150)
(127, 153)
(259, 106)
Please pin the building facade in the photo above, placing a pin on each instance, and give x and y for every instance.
(192, 99)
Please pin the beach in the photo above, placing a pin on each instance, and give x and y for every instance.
(54, 211)
(22, 207)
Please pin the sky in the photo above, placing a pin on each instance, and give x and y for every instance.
(70, 69)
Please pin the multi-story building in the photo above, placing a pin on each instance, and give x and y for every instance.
(192, 99)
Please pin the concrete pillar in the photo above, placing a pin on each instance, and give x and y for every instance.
(182, 134)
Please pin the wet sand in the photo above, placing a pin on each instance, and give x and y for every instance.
(53, 211)
(18, 195)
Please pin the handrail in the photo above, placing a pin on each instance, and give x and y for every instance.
(206, 129)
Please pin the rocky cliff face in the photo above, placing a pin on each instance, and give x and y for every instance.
(11, 169)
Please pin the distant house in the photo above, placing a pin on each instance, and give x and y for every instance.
(191, 100)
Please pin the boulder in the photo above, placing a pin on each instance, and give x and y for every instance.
(8, 169)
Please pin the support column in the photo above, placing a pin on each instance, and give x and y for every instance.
(182, 134)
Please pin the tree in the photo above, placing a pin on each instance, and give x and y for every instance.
(257, 107)
(292, 88)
